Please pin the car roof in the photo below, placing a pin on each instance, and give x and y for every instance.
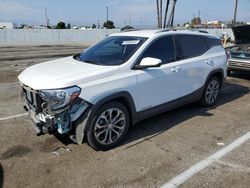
(162, 32)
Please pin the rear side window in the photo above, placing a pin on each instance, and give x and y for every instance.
(211, 42)
(162, 48)
(188, 46)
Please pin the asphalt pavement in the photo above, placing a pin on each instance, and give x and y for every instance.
(156, 151)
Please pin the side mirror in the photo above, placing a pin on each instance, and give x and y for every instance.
(148, 62)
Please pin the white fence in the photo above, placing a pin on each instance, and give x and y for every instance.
(70, 36)
(53, 37)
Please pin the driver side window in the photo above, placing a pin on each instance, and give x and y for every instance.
(162, 48)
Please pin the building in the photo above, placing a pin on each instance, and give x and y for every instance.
(7, 25)
(215, 24)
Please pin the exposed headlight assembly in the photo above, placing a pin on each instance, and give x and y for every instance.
(59, 98)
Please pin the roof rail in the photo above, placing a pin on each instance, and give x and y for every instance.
(203, 31)
(127, 30)
(180, 29)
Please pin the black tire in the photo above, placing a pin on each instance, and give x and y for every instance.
(94, 134)
(205, 100)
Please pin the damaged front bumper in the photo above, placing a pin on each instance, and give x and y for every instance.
(61, 120)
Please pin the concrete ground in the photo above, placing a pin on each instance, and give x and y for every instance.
(156, 150)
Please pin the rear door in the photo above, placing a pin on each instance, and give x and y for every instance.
(193, 64)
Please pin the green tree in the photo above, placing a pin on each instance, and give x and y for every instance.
(60, 25)
(109, 24)
(93, 26)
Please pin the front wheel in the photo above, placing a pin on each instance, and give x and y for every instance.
(211, 92)
(109, 126)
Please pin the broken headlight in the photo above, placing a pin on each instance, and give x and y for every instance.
(59, 98)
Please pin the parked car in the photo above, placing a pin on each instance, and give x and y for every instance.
(125, 78)
(239, 53)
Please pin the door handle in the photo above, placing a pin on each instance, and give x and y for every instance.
(175, 69)
(210, 62)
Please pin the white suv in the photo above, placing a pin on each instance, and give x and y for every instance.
(121, 80)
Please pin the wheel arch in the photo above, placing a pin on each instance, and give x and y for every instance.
(219, 73)
(123, 97)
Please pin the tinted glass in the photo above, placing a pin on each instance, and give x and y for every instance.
(188, 46)
(211, 42)
(113, 50)
(162, 48)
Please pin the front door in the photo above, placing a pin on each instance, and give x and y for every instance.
(158, 85)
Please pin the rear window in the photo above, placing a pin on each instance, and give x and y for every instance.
(188, 46)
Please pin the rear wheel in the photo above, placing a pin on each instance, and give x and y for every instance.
(211, 92)
(109, 126)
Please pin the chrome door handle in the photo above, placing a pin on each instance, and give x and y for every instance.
(209, 62)
(175, 69)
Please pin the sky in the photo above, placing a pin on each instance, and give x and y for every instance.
(142, 12)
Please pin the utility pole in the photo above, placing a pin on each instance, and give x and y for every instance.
(46, 16)
(107, 15)
(129, 17)
(235, 11)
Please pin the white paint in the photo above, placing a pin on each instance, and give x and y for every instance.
(181, 178)
(15, 116)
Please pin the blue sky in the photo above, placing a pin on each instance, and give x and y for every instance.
(143, 12)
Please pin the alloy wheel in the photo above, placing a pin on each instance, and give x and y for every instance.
(212, 91)
(109, 126)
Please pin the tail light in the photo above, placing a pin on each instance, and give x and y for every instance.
(228, 55)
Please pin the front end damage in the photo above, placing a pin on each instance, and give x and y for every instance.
(54, 110)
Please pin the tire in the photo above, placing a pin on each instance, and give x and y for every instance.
(109, 126)
(211, 92)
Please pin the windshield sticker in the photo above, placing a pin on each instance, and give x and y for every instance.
(130, 42)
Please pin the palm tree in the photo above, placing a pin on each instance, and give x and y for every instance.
(171, 18)
(166, 13)
(158, 13)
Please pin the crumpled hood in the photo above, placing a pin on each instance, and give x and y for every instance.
(64, 72)
(241, 34)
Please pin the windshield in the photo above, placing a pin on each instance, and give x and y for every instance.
(114, 50)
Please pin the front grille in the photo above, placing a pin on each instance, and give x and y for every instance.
(33, 99)
(239, 64)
